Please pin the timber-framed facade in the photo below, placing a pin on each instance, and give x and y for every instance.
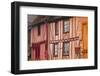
(58, 37)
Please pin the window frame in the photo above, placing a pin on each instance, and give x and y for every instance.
(67, 25)
(39, 30)
(56, 27)
(54, 49)
(63, 54)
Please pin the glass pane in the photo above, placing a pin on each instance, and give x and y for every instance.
(66, 26)
(56, 27)
(56, 49)
(66, 48)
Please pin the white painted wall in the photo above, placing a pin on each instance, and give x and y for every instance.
(5, 39)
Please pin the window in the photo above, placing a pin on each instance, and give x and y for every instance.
(39, 30)
(55, 49)
(77, 51)
(56, 28)
(66, 26)
(66, 48)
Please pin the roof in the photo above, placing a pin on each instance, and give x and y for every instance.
(45, 19)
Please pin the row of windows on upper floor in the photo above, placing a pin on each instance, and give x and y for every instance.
(66, 27)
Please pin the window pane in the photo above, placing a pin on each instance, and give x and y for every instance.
(66, 26)
(56, 27)
(55, 49)
(66, 48)
(39, 29)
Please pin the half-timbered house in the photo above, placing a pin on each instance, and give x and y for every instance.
(67, 38)
(38, 39)
(58, 37)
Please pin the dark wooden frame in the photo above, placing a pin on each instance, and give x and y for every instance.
(63, 48)
(54, 50)
(63, 26)
(56, 28)
(39, 30)
(15, 35)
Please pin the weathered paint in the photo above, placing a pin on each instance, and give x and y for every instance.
(77, 29)
(40, 41)
(77, 38)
